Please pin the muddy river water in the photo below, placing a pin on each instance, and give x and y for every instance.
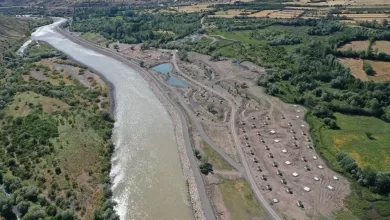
(148, 182)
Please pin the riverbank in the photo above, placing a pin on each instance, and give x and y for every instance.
(184, 153)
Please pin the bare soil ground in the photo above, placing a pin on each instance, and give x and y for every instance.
(231, 13)
(150, 57)
(340, 2)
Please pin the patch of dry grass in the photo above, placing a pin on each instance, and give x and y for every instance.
(262, 14)
(286, 14)
(356, 66)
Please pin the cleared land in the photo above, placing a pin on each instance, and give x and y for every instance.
(239, 199)
(340, 2)
(355, 45)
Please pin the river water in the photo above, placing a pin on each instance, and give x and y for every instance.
(148, 182)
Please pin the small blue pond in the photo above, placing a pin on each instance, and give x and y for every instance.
(165, 68)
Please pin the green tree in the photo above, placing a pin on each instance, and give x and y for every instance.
(367, 68)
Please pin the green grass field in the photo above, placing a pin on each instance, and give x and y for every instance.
(239, 199)
(352, 139)
(95, 38)
(215, 159)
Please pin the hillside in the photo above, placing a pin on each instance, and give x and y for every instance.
(12, 30)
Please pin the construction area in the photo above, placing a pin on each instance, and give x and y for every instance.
(273, 136)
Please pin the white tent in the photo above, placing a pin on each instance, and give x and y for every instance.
(330, 187)
(321, 167)
(284, 151)
(287, 162)
(272, 131)
(316, 178)
(315, 157)
(307, 189)
(335, 178)
(295, 174)
(277, 140)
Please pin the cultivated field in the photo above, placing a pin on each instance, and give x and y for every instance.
(231, 13)
(286, 14)
(365, 17)
(381, 69)
(356, 66)
(383, 46)
(340, 2)
(355, 45)
(193, 8)
(262, 14)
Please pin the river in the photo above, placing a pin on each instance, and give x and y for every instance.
(148, 182)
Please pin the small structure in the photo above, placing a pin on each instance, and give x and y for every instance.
(295, 174)
(272, 131)
(307, 168)
(284, 151)
(253, 126)
(287, 162)
(268, 187)
(289, 190)
(283, 117)
(245, 137)
(308, 140)
(265, 123)
(258, 133)
(315, 157)
(293, 137)
(307, 189)
(274, 164)
(330, 187)
(270, 155)
(320, 167)
(303, 133)
(279, 173)
(297, 116)
(262, 140)
(264, 177)
(335, 178)
(292, 131)
(277, 140)
(295, 144)
(298, 110)
(259, 169)
(251, 152)
(283, 181)
(302, 126)
(253, 118)
(255, 160)
(242, 123)
(248, 145)
(266, 117)
(274, 200)
(309, 146)
(266, 147)
(303, 159)
(289, 124)
(242, 130)
(316, 178)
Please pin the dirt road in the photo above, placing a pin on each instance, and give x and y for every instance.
(270, 212)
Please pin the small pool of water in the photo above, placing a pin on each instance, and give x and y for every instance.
(165, 68)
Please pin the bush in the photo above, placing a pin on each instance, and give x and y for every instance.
(368, 68)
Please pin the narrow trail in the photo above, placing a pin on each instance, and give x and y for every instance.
(270, 212)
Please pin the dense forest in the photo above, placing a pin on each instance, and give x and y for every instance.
(125, 25)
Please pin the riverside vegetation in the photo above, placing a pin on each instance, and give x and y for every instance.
(55, 137)
(348, 117)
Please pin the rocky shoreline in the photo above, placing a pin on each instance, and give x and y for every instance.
(194, 197)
